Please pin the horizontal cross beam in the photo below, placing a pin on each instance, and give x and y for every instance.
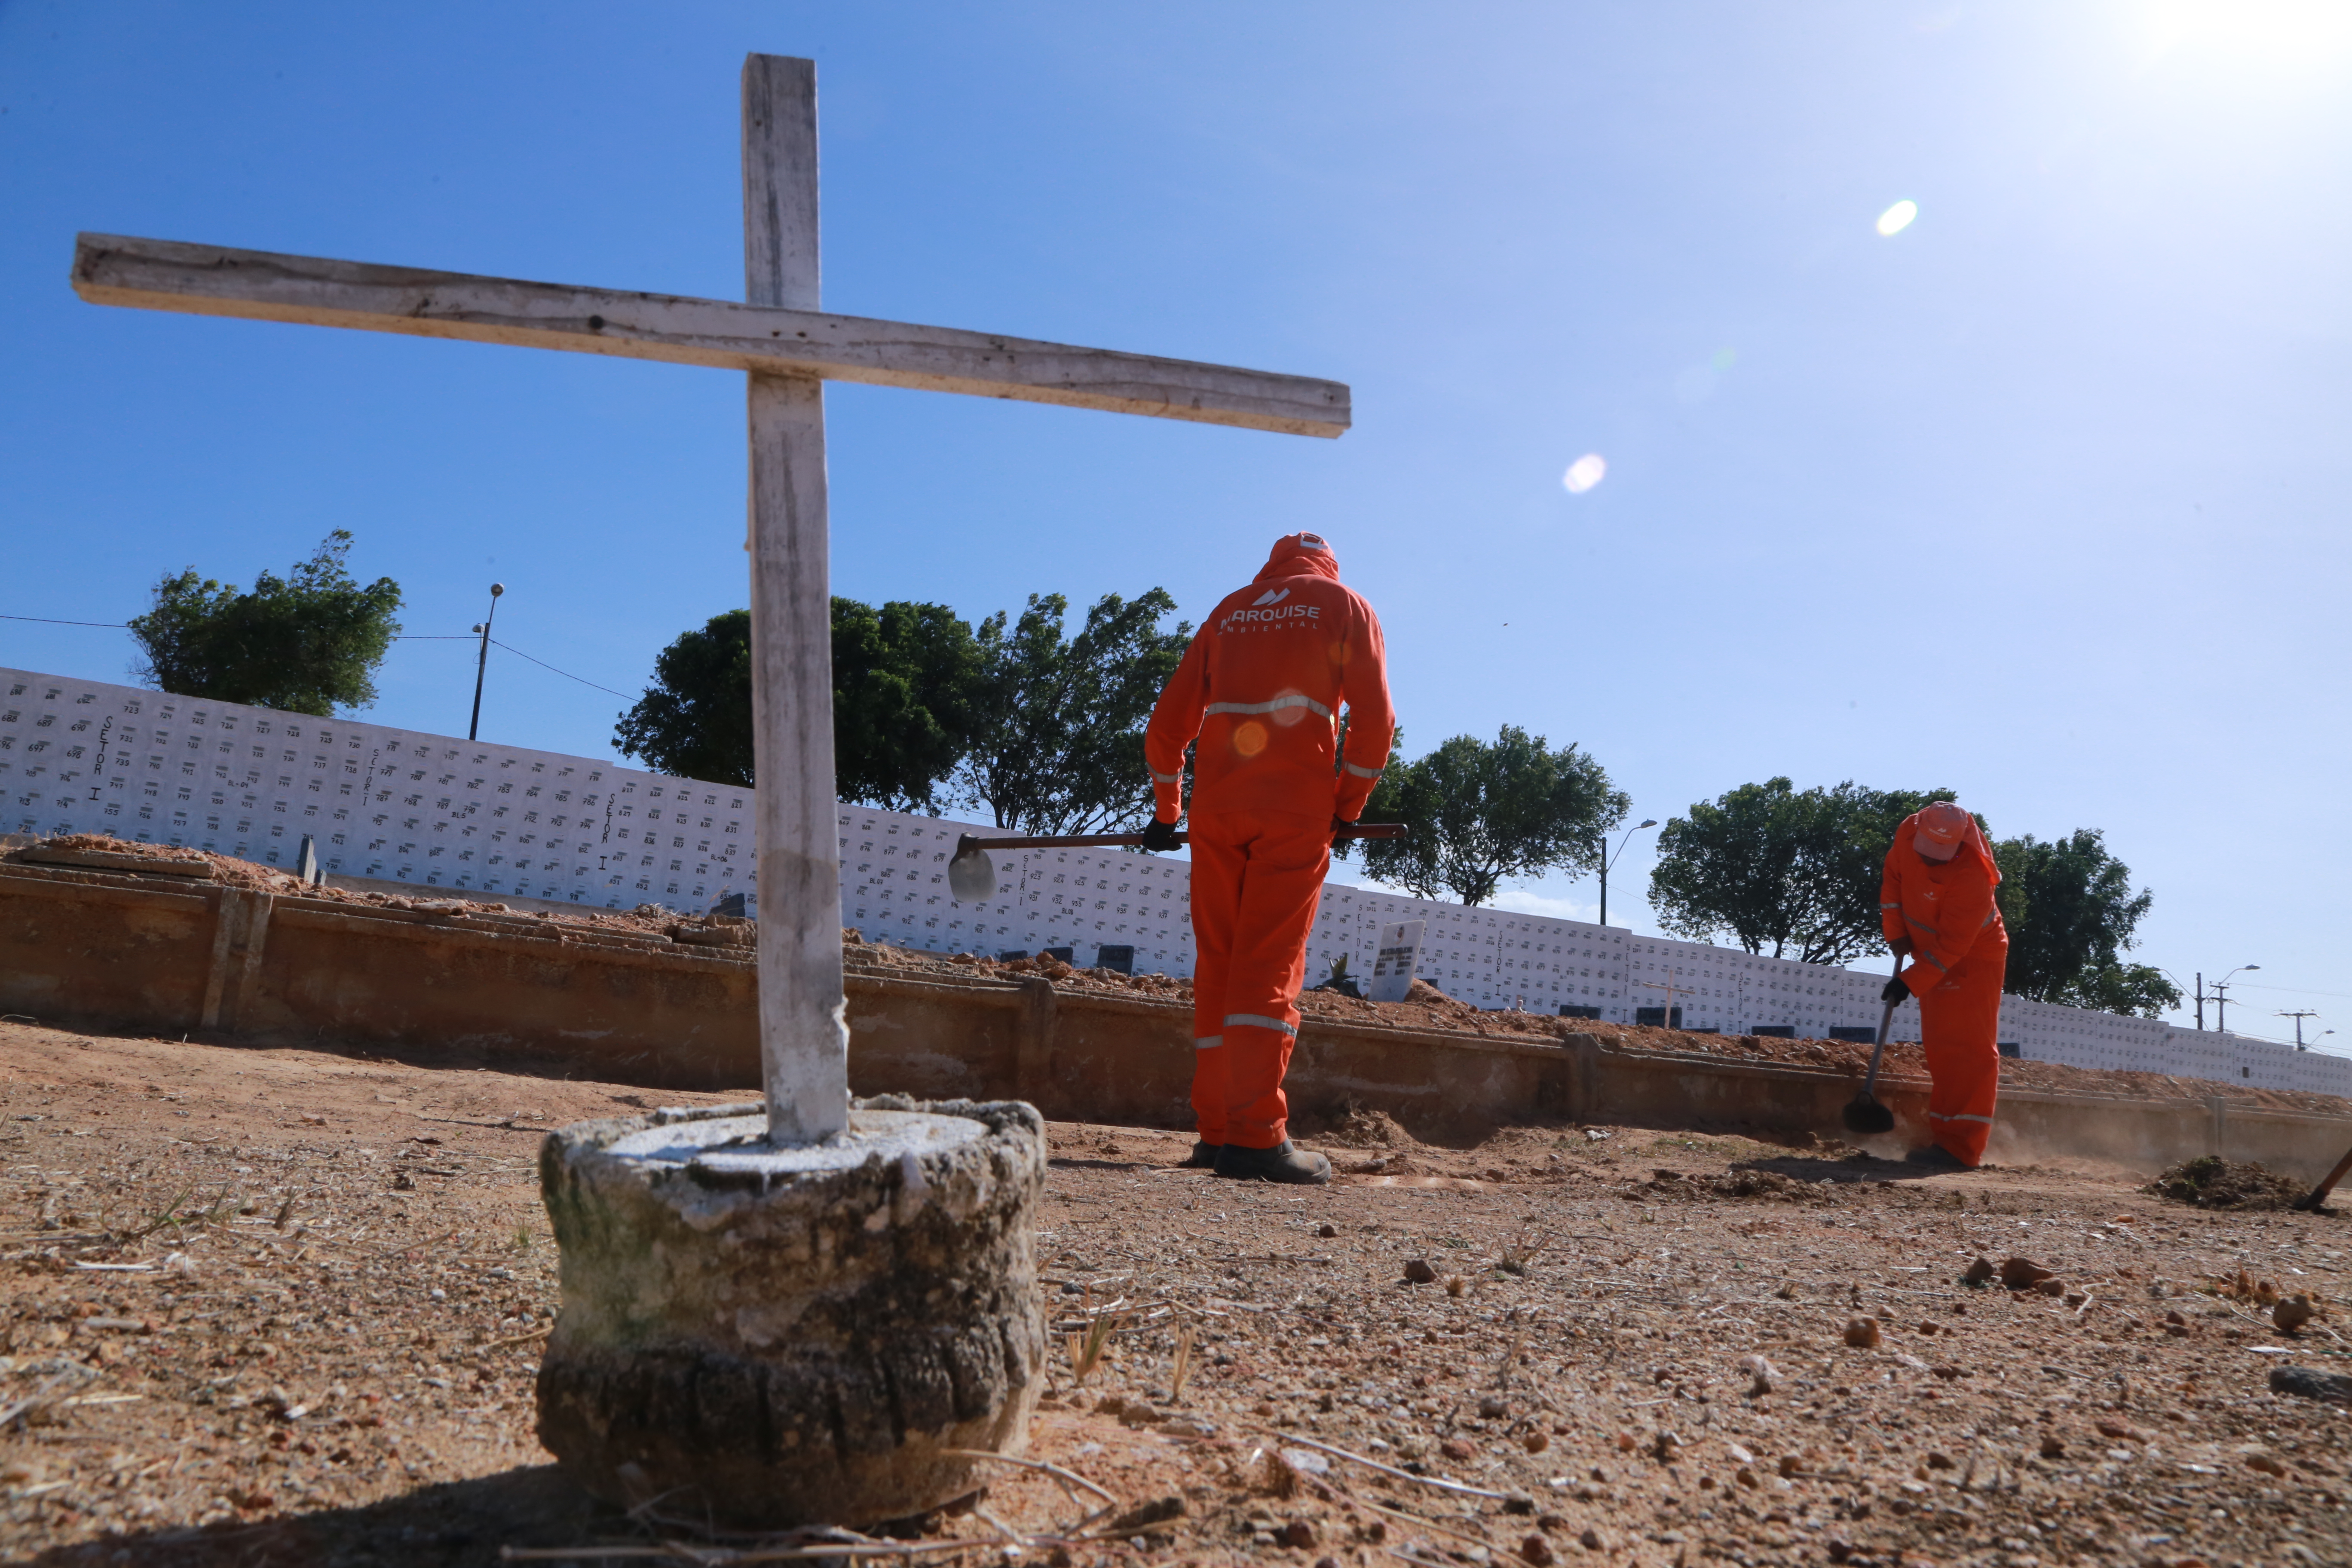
(210, 281)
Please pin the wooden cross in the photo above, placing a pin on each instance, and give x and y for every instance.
(1672, 990)
(790, 349)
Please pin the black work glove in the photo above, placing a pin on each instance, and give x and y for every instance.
(1338, 828)
(1159, 837)
(1895, 991)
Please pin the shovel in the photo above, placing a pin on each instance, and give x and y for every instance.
(971, 877)
(2311, 1200)
(1863, 1113)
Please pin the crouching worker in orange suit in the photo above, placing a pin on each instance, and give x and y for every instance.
(1936, 902)
(1261, 689)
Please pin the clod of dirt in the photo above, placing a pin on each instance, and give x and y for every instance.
(1536, 1551)
(1762, 1373)
(1418, 1270)
(1158, 1511)
(1979, 1274)
(2052, 1447)
(1363, 1129)
(1327, 1230)
(2310, 1383)
(2209, 1182)
(2023, 1273)
(2291, 1314)
(1862, 1333)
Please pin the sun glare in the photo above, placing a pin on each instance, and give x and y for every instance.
(1897, 218)
(2275, 32)
(1584, 473)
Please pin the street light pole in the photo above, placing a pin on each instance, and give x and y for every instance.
(481, 666)
(1608, 860)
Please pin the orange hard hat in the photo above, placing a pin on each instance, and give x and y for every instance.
(1941, 827)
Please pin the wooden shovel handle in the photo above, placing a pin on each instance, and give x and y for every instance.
(1110, 840)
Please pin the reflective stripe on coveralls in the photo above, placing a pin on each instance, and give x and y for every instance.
(1963, 954)
(1293, 701)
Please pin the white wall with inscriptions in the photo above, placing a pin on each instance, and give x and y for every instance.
(79, 756)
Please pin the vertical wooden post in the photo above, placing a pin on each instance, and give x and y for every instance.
(803, 1037)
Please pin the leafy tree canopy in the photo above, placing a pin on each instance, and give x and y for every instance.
(1483, 812)
(694, 720)
(1791, 873)
(905, 682)
(2071, 912)
(304, 643)
(1059, 721)
(907, 687)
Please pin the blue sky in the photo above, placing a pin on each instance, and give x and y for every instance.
(2040, 498)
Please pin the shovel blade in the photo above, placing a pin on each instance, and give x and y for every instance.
(1864, 1115)
(971, 876)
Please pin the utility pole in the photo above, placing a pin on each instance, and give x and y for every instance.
(2200, 1001)
(482, 666)
(2221, 997)
(1607, 860)
(2299, 1014)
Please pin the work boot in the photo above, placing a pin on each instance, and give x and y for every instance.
(1283, 1162)
(1936, 1157)
(1202, 1158)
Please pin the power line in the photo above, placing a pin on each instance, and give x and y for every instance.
(565, 673)
(404, 637)
(2296, 990)
(118, 625)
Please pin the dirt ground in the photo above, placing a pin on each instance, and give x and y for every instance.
(266, 1307)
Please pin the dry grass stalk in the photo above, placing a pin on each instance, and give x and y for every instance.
(1087, 1350)
(1184, 1364)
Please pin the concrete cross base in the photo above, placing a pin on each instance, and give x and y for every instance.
(782, 1336)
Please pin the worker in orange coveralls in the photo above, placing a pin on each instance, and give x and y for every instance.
(1261, 687)
(1936, 902)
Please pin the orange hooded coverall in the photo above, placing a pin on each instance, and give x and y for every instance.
(1946, 909)
(1261, 687)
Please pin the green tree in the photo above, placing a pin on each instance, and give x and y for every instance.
(1483, 812)
(2071, 914)
(304, 643)
(1059, 723)
(694, 720)
(1789, 872)
(906, 701)
(905, 684)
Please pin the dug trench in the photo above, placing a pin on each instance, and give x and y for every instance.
(100, 933)
(282, 1305)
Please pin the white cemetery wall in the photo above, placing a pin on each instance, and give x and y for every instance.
(79, 756)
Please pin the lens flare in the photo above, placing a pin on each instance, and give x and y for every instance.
(1584, 473)
(1897, 218)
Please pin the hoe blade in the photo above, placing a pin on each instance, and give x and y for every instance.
(971, 876)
